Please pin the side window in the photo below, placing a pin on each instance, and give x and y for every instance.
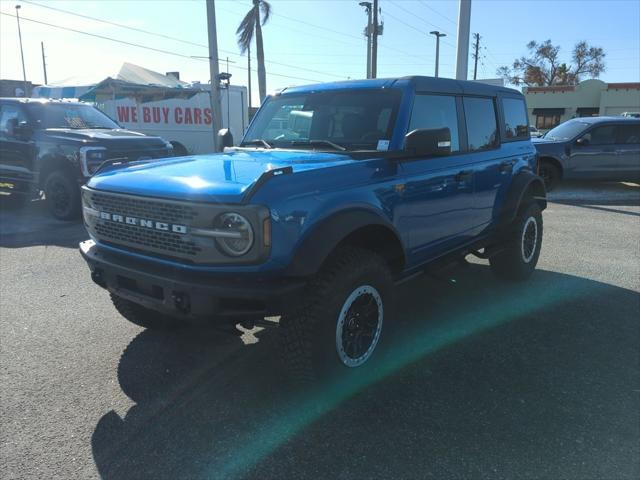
(482, 128)
(7, 112)
(515, 118)
(436, 111)
(604, 135)
(628, 134)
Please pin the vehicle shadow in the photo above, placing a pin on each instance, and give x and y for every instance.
(485, 379)
(32, 225)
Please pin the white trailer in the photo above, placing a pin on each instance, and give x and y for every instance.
(181, 116)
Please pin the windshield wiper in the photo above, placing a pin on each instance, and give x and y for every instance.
(318, 142)
(257, 141)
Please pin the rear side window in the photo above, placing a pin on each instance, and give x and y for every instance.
(482, 127)
(436, 111)
(8, 112)
(515, 118)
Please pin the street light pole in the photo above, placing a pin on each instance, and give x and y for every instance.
(438, 35)
(24, 72)
(216, 106)
(368, 31)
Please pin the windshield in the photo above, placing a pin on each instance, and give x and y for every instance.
(566, 131)
(333, 120)
(68, 115)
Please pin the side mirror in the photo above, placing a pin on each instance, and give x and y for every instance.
(582, 142)
(428, 142)
(225, 138)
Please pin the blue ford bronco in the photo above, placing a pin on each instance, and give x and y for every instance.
(337, 192)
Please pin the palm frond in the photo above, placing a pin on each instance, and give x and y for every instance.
(266, 11)
(246, 29)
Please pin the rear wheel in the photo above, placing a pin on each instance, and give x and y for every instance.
(519, 256)
(143, 317)
(550, 173)
(62, 195)
(338, 326)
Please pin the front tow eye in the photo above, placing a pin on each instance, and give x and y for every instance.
(181, 302)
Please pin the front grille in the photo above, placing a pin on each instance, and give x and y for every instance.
(150, 209)
(127, 234)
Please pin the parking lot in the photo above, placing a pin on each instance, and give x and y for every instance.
(490, 380)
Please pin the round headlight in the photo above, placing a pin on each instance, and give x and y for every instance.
(236, 234)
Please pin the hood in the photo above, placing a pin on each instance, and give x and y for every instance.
(543, 140)
(101, 136)
(222, 177)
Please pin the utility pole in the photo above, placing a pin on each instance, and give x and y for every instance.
(476, 46)
(464, 25)
(367, 32)
(249, 73)
(216, 107)
(24, 72)
(44, 64)
(438, 35)
(377, 30)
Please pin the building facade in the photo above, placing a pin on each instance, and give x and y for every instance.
(550, 106)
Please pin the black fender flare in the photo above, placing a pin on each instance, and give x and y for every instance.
(329, 233)
(522, 183)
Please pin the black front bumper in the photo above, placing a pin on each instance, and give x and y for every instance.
(186, 294)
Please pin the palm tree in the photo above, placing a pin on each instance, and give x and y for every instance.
(252, 23)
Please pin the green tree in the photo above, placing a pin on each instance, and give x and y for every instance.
(542, 67)
(252, 25)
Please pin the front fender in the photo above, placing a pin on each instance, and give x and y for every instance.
(323, 238)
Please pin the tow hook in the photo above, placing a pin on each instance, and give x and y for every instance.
(181, 302)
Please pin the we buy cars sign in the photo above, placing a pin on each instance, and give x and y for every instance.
(162, 115)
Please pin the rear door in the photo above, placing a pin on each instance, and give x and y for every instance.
(439, 190)
(628, 151)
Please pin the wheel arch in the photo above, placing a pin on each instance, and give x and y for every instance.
(524, 185)
(179, 149)
(359, 228)
(554, 161)
(52, 163)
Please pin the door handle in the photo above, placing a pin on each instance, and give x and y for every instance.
(464, 176)
(506, 167)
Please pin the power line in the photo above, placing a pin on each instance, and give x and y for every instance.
(438, 13)
(168, 37)
(158, 50)
(419, 30)
(413, 14)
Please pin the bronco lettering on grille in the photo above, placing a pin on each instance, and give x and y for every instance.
(145, 223)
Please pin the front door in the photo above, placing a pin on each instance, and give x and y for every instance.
(594, 156)
(438, 191)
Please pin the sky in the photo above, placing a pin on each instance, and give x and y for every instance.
(305, 41)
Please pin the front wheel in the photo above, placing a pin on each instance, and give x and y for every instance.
(62, 195)
(338, 326)
(521, 249)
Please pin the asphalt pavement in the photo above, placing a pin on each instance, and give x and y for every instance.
(538, 380)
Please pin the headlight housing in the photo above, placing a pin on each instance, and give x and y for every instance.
(91, 158)
(234, 234)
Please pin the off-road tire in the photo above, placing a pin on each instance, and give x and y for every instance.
(144, 317)
(515, 260)
(550, 173)
(309, 333)
(62, 194)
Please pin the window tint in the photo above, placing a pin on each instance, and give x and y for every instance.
(628, 134)
(515, 118)
(482, 129)
(604, 135)
(7, 113)
(436, 111)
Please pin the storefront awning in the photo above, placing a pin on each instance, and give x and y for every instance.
(548, 111)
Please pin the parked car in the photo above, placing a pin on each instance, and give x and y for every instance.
(55, 146)
(591, 148)
(534, 132)
(631, 114)
(315, 218)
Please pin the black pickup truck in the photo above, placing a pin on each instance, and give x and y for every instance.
(54, 146)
